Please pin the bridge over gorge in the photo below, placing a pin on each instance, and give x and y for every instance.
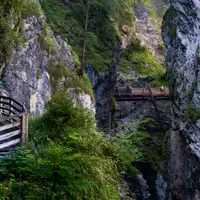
(13, 124)
(144, 94)
(141, 94)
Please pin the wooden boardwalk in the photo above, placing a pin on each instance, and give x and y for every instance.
(13, 124)
(141, 94)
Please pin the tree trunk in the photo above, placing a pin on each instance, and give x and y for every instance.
(85, 40)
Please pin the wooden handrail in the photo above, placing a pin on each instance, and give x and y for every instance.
(12, 100)
(12, 106)
(13, 116)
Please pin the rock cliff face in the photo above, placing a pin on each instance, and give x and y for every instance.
(128, 112)
(103, 85)
(182, 39)
(25, 75)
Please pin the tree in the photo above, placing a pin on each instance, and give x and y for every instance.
(85, 39)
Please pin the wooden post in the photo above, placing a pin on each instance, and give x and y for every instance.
(156, 109)
(24, 129)
(1, 110)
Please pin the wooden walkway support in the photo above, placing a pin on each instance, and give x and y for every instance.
(156, 109)
(13, 124)
(144, 94)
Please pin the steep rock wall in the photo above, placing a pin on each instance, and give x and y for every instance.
(103, 85)
(25, 75)
(182, 39)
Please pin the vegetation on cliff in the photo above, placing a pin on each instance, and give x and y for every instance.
(66, 158)
(138, 59)
(67, 20)
(64, 78)
(12, 13)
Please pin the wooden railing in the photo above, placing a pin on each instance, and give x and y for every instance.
(13, 124)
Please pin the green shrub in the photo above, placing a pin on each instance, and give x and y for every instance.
(192, 114)
(129, 147)
(66, 158)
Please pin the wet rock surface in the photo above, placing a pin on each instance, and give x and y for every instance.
(181, 36)
(103, 84)
(134, 187)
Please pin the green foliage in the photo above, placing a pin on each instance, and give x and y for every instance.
(151, 9)
(129, 147)
(137, 58)
(59, 73)
(47, 43)
(169, 22)
(192, 114)
(156, 147)
(156, 83)
(12, 13)
(153, 12)
(66, 158)
(68, 21)
(192, 90)
(160, 81)
(172, 77)
(172, 32)
(124, 12)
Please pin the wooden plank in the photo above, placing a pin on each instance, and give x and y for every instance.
(10, 143)
(9, 135)
(7, 126)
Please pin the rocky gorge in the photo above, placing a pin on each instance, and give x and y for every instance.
(155, 151)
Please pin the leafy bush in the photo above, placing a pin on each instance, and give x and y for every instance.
(65, 158)
(129, 147)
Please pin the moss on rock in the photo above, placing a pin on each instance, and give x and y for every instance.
(138, 59)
